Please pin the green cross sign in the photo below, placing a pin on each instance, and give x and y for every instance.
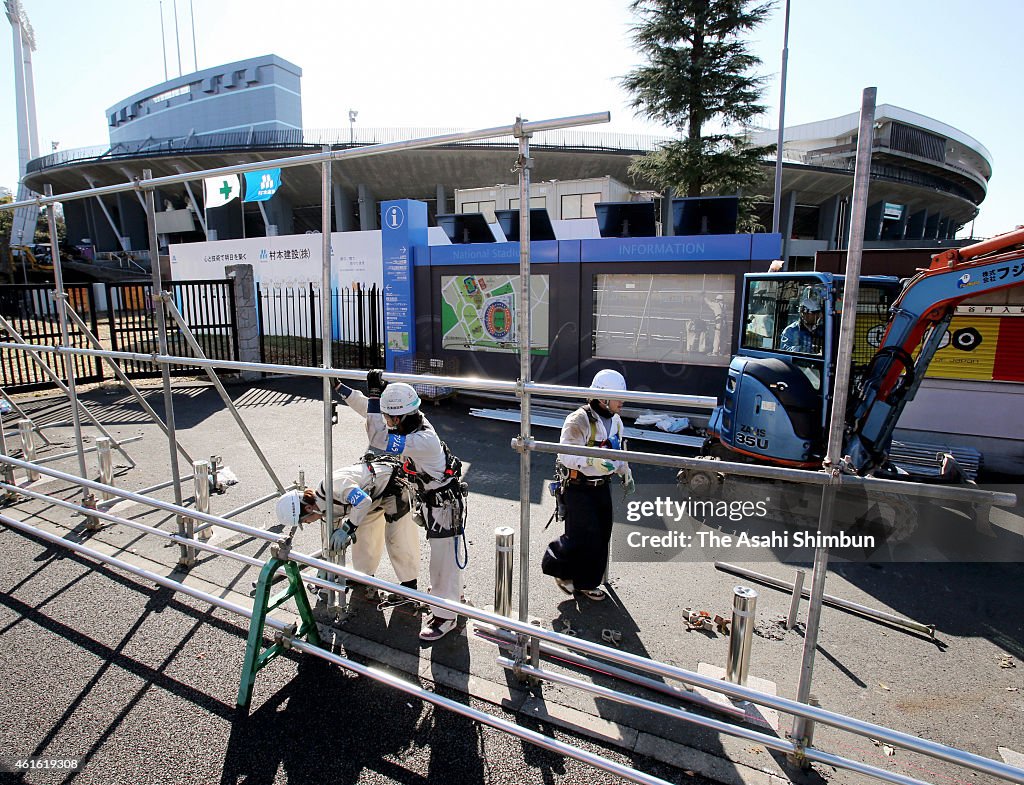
(225, 190)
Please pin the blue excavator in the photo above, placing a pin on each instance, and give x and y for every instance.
(780, 384)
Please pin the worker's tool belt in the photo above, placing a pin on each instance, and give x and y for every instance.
(576, 477)
(443, 509)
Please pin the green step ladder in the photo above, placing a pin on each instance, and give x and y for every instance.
(255, 656)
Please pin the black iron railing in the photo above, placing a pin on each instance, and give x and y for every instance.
(290, 326)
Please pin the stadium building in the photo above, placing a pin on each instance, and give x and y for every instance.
(928, 179)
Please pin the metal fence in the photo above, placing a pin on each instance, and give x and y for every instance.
(207, 306)
(30, 314)
(290, 326)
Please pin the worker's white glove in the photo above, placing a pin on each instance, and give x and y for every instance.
(604, 465)
(343, 536)
(628, 486)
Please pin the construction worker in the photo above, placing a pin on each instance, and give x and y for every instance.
(396, 426)
(372, 497)
(578, 559)
(806, 334)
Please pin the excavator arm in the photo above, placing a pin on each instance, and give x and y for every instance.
(922, 312)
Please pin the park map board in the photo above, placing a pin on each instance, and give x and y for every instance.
(478, 313)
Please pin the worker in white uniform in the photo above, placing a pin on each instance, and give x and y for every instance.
(371, 498)
(396, 426)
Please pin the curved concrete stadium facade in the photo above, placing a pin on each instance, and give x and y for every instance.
(928, 178)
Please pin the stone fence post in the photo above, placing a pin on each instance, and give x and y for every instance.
(246, 316)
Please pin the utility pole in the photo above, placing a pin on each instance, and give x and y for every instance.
(777, 209)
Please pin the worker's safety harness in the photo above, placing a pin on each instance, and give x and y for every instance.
(442, 502)
(396, 488)
(565, 476)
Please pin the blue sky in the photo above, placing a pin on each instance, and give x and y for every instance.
(478, 63)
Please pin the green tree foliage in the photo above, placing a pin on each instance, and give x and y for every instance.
(6, 218)
(698, 71)
(42, 233)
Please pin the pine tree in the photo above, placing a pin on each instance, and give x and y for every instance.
(698, 71)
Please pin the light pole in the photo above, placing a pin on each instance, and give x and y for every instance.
(777, 205)
(352, 113)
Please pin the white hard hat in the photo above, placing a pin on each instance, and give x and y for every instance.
(810, 303)
(399, 398)
(607, 379)
(289, 508)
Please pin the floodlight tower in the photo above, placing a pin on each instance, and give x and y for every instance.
(23, 228)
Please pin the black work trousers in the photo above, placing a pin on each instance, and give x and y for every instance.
(580, 555)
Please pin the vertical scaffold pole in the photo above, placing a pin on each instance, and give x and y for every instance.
(837, 422)
(187, 557)
(326, 335)
(524, 163)
(65, 337)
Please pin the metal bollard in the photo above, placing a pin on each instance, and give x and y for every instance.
(106, 461)
(504, 539)
(201, 478)
(744, 607)
(794, 603)
(28, 446)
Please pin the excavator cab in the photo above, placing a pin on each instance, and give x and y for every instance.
(775, 407)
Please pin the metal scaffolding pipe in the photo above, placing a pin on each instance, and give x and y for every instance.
(21, 414)
(684, 693)
(148, 489)
(459, 382)
(61, 298)
(175, 538)
(239, 510)
(952, 493)
(133, 524)
(794, 602)
(187, 556)
(828, 599)
(123, 378)
(61, 455)
(769, 741)
(483, 718)
(149, 183)
(817, 714)
(159, 580)
(33, 351)
(176, 509)
(327, 350)
(523, 165)
(298, 644)
(840, 389)
(186, 331)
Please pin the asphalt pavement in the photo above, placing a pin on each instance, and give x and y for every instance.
(140, 683)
